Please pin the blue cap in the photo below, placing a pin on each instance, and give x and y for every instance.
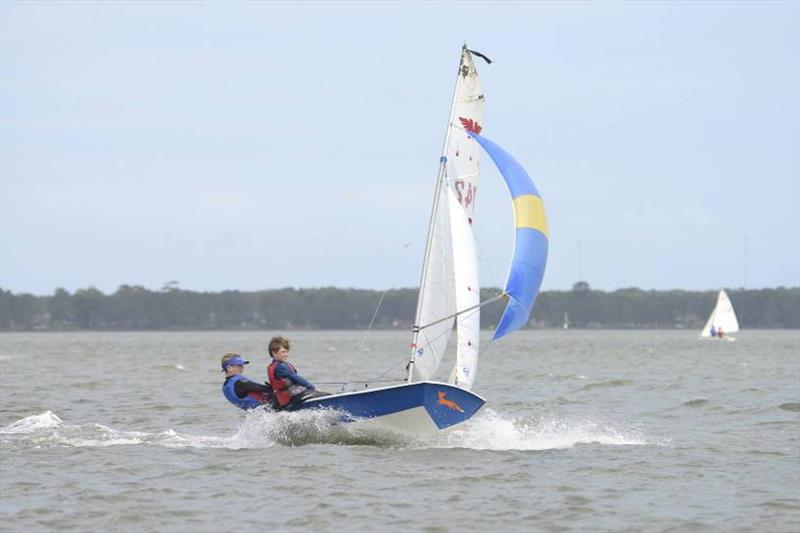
(234, 361)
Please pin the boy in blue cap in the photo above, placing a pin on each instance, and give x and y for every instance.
(239, 390)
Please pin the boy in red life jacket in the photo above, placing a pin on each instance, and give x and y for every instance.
(239, 390)
(288, 386)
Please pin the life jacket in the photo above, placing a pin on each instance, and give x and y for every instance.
(283, 392)
(251, 401)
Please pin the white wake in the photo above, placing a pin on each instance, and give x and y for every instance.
(260, 429)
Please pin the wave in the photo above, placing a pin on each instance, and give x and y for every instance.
(492, 431)
(171, 366)
(695, 402)
(48, 430)
(790, 406)
(258, 429)
(609, 383)
(487, 431)
(32, 423)
(262, 429)
(782, 504)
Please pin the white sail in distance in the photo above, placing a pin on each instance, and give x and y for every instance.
(443, 278)
(723, 316)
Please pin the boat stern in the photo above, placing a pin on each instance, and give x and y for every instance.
(448, 405)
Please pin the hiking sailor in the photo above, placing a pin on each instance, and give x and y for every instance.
(288, 386)
(239, 390)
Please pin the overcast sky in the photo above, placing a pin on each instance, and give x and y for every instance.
(263, 145)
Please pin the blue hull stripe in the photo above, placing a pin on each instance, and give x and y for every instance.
(445, 404)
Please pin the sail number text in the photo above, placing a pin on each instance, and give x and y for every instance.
(465, 192)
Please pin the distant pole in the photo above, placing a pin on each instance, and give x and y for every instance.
(744, 259)
(580, 261)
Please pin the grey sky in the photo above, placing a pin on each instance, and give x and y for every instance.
(262, 145)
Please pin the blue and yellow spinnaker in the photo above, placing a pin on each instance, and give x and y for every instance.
(530, 244)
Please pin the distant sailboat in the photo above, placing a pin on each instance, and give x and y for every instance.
(722, 321)
(566, 320)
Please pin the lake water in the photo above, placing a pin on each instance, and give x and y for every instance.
(583, 430)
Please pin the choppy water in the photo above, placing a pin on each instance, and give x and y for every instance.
(597, 430)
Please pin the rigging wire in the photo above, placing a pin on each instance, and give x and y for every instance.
(379, 378)
(485, 260)
(371, 322)
(474, 308)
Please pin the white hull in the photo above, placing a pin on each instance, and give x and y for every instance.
(414, 421)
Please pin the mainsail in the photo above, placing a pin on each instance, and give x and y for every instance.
(449, 279)
(449, 290)
(722, 317)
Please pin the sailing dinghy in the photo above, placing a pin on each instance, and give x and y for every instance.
(722, 321)
(449, 292)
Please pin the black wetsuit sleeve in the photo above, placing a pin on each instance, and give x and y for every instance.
(243, 388)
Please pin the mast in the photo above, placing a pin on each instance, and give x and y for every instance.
(437, 194)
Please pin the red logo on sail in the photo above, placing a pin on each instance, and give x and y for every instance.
(470, 125)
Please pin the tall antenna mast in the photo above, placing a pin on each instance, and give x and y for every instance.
(744, 260)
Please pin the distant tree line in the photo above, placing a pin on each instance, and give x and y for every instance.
(134, 307)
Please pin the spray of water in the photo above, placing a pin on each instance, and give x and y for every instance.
(48, 430)
(494, 431)
(261, 429)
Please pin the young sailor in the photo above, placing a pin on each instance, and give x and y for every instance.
(288, 386)
(239, 390)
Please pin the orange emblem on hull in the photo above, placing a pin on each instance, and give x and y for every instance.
(450, 404)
